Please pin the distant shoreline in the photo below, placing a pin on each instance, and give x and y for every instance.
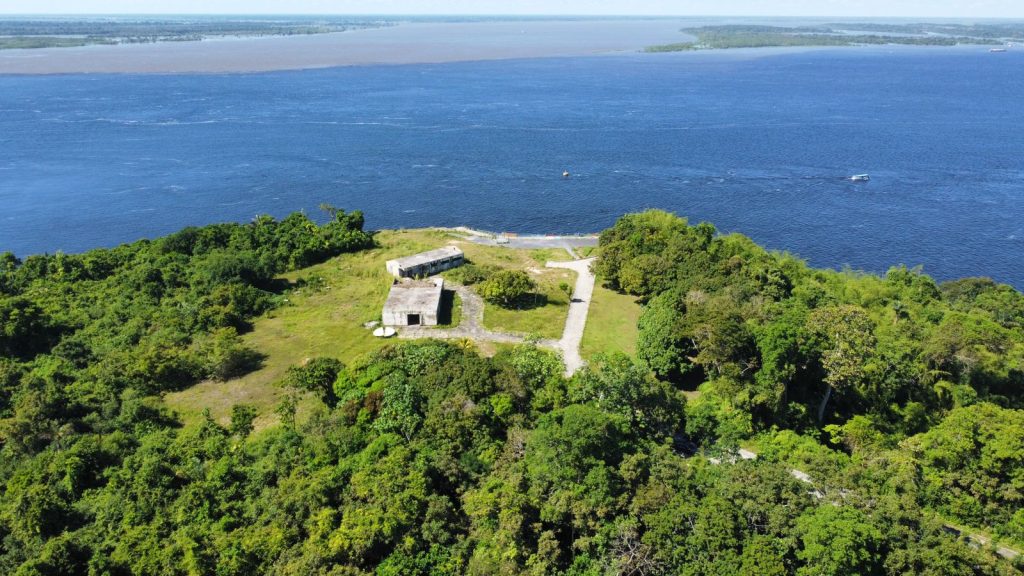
(722, 37)
(405, 43)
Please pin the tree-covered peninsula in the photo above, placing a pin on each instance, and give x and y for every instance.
(846, 34)
(884, 412)
(69, 32)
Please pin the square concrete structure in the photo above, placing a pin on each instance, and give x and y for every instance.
(427, 263)
(413, 303)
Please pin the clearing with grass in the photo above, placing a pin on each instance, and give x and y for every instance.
(328, 305)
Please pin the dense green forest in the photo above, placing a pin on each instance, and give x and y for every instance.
(31, 42)
(63, 32)
(897, 398)
(764, 36)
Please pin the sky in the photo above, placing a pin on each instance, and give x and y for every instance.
(833, 8)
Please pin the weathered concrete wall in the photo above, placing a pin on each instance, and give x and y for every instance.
(424, 270)
(393, 318)
(396, 318)
(426, 263)
(418, 298)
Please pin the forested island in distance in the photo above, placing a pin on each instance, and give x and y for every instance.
(209, 402)
(67, 32)
(238, 44)
(846, 34)
(31, 32)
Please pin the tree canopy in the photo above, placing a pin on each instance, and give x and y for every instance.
(884, 411)
(506, 287)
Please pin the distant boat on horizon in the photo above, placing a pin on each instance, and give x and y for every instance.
(996, 50)
(860, 178)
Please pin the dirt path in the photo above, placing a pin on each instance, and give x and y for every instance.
(579, 307)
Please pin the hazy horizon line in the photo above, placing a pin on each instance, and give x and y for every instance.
(508, 15)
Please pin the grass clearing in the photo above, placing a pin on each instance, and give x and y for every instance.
(546, 319)
(326, 317)
(611, 324)
(489, 349)
(316, 321)
(512, 258)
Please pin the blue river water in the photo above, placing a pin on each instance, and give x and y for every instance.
(760, 143)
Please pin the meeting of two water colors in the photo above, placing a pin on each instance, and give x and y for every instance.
(759, 142)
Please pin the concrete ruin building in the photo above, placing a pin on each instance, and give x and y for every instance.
(426, 263)
(413, 303)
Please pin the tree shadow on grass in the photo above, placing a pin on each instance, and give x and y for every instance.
(280, 285)
(526, 302)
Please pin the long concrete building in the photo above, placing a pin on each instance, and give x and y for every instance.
(413, 303)
(426, 263)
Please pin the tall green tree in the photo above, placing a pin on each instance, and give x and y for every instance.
(506, 287)
(838, 540)
(844, 337)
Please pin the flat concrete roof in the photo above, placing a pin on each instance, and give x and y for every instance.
(415, 296)
(427, 257)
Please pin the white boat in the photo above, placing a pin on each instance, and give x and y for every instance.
(860, 178)
(996, 50)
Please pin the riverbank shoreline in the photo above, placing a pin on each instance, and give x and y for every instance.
(404, 43)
